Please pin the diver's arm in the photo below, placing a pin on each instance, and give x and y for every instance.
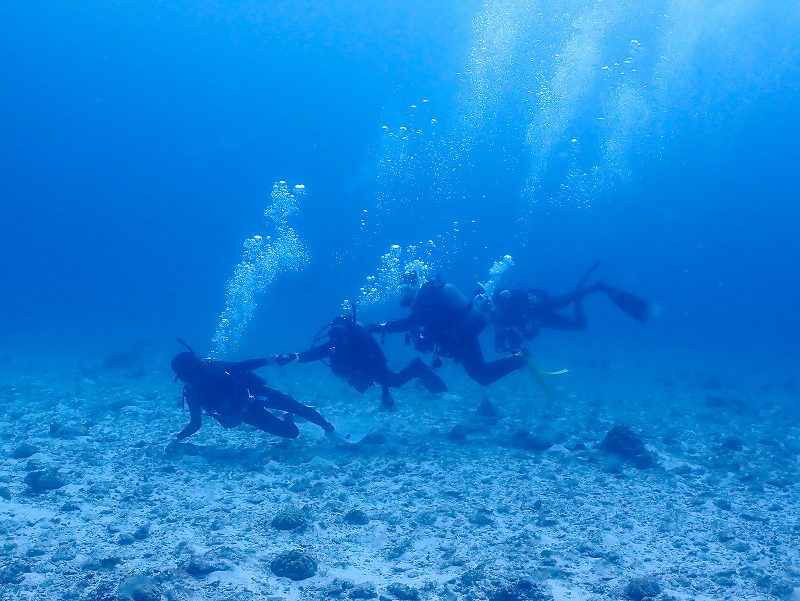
(315, 353)
(251, 364)
(195, 420)
(403, 324)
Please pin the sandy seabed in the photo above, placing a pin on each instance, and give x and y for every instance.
(444, 499)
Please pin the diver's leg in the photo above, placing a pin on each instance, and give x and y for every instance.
(393, 378)
(385, 379)
(581, 291)
(387, 400)
(260, 418)
(274, 399)
(554, 303)
(415, 369)
(631, 305)
(398, 379)
(471, 357)
(499, 368)
(549, 317)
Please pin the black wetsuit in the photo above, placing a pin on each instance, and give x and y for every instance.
(354, 355)
(519, 314)
(443, 319)
(232, 394)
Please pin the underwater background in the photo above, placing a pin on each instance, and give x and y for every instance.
(141, 143)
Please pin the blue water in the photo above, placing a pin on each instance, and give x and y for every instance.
(139, 146)
(140, 142)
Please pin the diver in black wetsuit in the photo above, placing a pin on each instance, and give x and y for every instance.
(443, 320)
(354, 355)
(232, 394)
(519, 314)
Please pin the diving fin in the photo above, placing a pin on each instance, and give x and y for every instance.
(539, 375)
(629, 304)
(582, 281)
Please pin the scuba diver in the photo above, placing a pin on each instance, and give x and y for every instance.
(519, 314)
(232, 394)
(354, 355)
(444, 321)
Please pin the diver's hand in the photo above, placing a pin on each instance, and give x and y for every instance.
(286, 358)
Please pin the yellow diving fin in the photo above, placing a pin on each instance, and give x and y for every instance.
(539, 376)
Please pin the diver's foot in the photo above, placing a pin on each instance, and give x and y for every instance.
(328, 427)
(387, 405)
(288, 418)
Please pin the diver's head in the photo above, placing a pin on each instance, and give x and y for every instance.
(340, 327)
(409, 287)
(186, 367)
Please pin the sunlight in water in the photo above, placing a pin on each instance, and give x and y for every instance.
(620, 77)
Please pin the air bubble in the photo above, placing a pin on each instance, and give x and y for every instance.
(263, 259)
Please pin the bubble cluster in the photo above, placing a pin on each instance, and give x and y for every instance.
(415, 170)
(263, 259)
(498, 268)
(496, 272)
(593, 87)
(384, 286)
